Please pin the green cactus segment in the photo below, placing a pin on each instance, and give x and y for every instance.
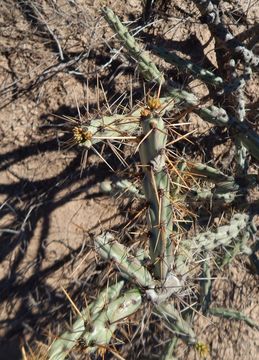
(240, 247)
(156, 187)
(183, 96)
(147, 67)
(205, 284)
(241, 157)
(175, 322)
(170, 349)
(123, 186)
(218, 116)
(61, 347)
(129, 265)
(111, 127)
(248, 137)
(215, 194)
(227, 188)
(103, 327)
(117, 126)
(239, 131)
(186, 65)
(209, 241)
(208, 171)
(234, 315)
(214, 115)
(223, 234)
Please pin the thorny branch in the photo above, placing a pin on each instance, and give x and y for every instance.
(211, 14)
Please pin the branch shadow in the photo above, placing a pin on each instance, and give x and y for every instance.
(24, 286)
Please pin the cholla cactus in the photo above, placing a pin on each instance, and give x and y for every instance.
(156, 186)
(97, 323)
(171, 260)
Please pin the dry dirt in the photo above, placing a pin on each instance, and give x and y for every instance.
(50, 207)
